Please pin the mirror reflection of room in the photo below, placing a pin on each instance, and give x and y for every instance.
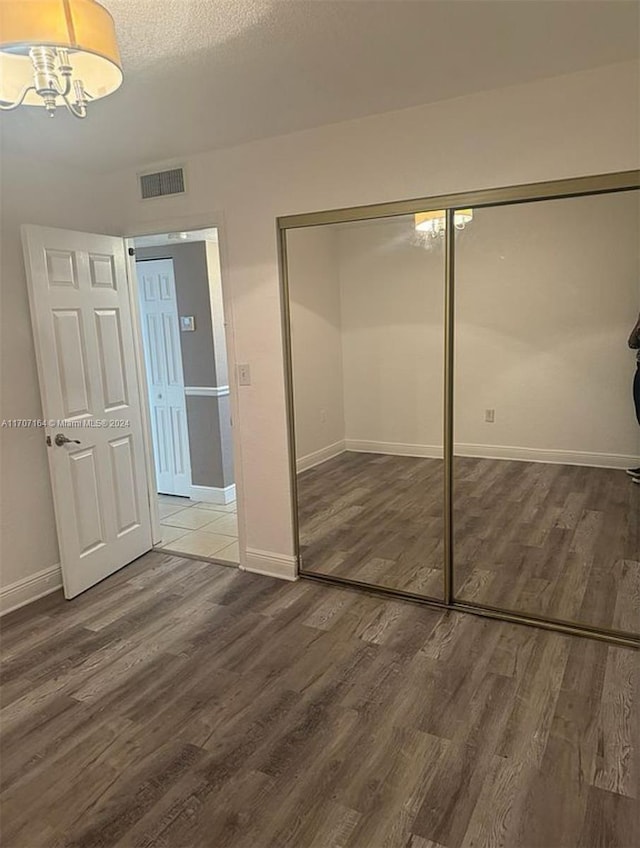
(546, 519)
(546, 509)
(367, 303)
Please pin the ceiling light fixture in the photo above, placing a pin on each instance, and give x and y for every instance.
(434, 224)
(57, 52)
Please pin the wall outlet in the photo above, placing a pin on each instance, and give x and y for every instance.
(244, 375)
(490, 416)
(323, 416)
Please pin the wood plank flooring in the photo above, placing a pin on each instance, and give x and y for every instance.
(182, 704)
(554, 540)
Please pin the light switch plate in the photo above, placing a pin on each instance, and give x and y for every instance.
(187, 323)
(244, 375)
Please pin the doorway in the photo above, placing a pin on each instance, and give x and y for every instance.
(182, 329)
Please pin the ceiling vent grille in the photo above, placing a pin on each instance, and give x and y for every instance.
(162, 183)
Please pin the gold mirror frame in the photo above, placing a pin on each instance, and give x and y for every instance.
(531, 192)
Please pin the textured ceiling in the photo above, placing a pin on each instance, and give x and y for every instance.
(202, 74)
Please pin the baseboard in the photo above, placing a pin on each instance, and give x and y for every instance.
(272, 565)
(210, 494)
(319, 456)
(393, 448)
(553, 457)
(30, 588)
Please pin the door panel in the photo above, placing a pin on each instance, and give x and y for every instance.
(124, 483)
(61, 270)
(86, 497)
(111, 358)
(72, 361)
(102, 271)
(173, 358)
(163, 356)
(84, 342)
(179, 430)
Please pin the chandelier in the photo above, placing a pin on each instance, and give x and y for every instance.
(434, 224)
(56, 53)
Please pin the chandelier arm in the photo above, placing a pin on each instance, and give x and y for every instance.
(77, 110)
(9, 106)
(67, 85)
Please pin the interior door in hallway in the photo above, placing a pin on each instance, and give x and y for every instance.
(165, 379)
(83, 331)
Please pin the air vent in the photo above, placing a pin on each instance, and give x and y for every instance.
(162, 183)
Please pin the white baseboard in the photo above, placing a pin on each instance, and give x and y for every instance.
(272, 565)
(317, 457)
(30, 588)
(554, 457)
(209, 494)
(393, 448)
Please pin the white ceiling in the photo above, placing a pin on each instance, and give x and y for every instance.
(203, 74)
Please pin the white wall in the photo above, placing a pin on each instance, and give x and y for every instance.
(316, 341)
(32, 193)
(547, 294)
(577, 124)
(393, 337)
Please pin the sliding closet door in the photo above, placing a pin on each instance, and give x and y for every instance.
(366, 315)
(546, 519)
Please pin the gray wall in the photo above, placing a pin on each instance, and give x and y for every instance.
(210, 441)
(208, 418)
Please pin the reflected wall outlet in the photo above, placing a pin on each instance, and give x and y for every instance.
(244, 375)
(490, 416)
(323, 416)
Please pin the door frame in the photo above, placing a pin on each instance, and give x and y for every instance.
(160, 227)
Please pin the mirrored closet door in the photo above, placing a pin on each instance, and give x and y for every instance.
(461, 400)
(546, 520)
(366, 307)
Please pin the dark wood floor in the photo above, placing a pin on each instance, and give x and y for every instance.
(554, 540)
(183, 704)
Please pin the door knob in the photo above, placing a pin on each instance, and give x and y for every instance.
(60, 439)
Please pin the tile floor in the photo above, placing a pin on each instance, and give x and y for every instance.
(205, 530)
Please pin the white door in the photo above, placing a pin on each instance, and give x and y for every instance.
(165, 378)
(82, 327)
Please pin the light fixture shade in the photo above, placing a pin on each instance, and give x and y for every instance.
(83, 27)
(427, 222)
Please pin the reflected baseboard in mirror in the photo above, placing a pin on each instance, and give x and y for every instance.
(374, 519)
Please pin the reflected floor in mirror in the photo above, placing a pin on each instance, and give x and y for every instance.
(376, 519)
(551, 540)
(559, 541)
